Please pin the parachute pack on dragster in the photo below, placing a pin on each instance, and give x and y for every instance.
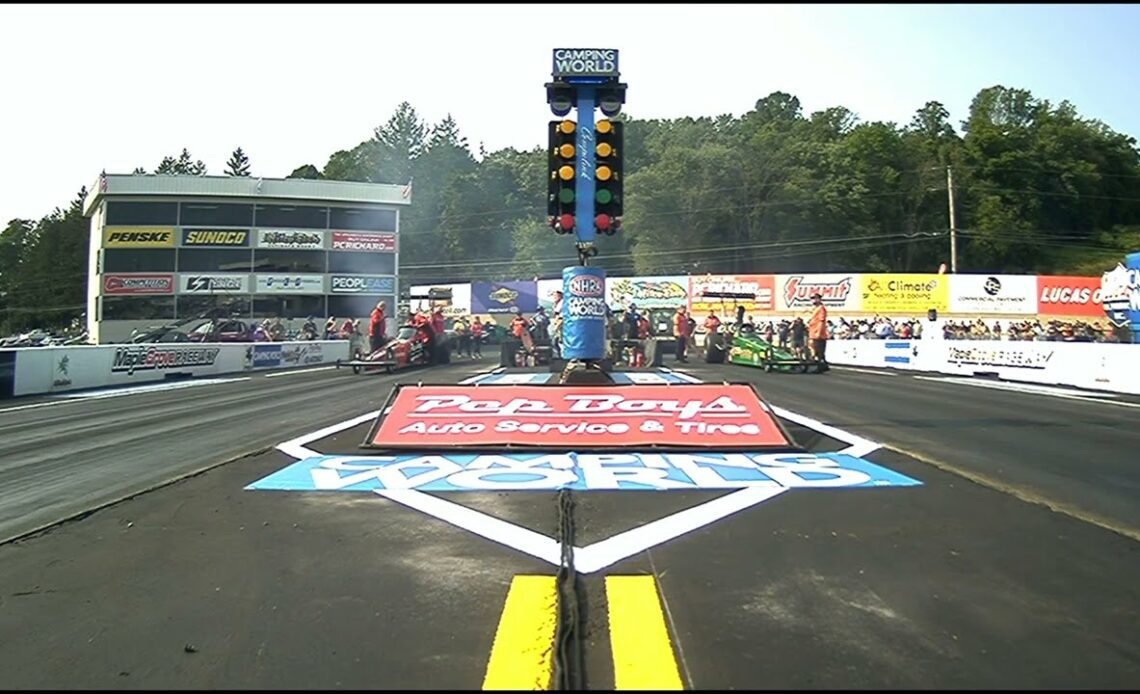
(748, 348)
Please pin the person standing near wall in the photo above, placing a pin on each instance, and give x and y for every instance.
(681, 332)
(817, 331)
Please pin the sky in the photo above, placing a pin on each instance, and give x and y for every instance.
(87, 88)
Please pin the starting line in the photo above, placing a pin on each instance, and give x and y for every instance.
(751, 479)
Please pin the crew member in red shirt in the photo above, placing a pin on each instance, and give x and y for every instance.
(476, 336)
(437, 322)
(681, 333)
(376, 326)
(817, 330)
(712, 323)
(642, 327)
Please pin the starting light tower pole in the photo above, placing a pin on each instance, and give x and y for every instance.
(585, 79)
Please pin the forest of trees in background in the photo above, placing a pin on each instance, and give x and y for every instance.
(1038, 189)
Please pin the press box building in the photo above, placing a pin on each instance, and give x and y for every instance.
(168, 248)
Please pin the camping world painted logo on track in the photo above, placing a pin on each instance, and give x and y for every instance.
(415, 479)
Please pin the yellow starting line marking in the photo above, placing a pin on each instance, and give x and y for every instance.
(643, 654)
(522, 655)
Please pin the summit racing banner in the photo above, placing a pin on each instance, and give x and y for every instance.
(139, 358)
(688, 471)
(838, 291)
(763, 286)
(569, 417)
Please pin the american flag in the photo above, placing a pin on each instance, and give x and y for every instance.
(103, 182)
(407, 191)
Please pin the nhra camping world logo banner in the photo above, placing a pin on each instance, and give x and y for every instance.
(128, 360)
(126, 285)
(212, 237)
(649, 292)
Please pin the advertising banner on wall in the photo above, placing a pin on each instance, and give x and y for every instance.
(1120, 294)
(504, 297)
(362, 284)
(138, 237)
(295, 239)
(761, 286)
(362, 241)
(1063, 295)
(910, 294)
(191, 283)
(546, 290)
(668, 291)
(840, 292)
(458, 305)
(289, 284)
(128, 285)
(227, 238)
(993, 294)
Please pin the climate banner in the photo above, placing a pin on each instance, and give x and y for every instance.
(909, 294)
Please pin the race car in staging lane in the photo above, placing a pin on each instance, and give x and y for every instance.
(750, 349)
(412, 346)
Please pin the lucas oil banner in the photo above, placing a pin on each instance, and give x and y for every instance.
(583, 313)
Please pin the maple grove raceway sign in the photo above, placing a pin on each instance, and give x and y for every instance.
(749, 478)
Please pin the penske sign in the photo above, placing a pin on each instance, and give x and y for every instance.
(138, 237)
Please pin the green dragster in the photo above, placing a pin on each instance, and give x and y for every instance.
(751, 350)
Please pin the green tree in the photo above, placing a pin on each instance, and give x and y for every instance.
(238, 164)
(183, 164)
(306, 171)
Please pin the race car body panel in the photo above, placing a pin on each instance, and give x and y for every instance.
(751, 350)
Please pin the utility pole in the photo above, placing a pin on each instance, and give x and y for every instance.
(953, 225)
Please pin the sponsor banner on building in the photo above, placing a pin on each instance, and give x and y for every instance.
(135, 358)
(138, 237)
(459, 303)
(840, 292)
(300, 239)
(267, 356)
(648, 292)
(189, 283)
(626, 471)
(289, 284)
(362, 284)
(1062, 295)
(504, 297)
(548, 291)
(761, 286)
(578, 417)
(215, 237)
(363, 241)
(125, 285)
(1015, 294)
(910, 294)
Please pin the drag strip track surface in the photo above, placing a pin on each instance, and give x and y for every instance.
(64, 456)
(1066, 449)
(205, 583)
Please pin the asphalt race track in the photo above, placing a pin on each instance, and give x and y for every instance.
(1014, 564)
